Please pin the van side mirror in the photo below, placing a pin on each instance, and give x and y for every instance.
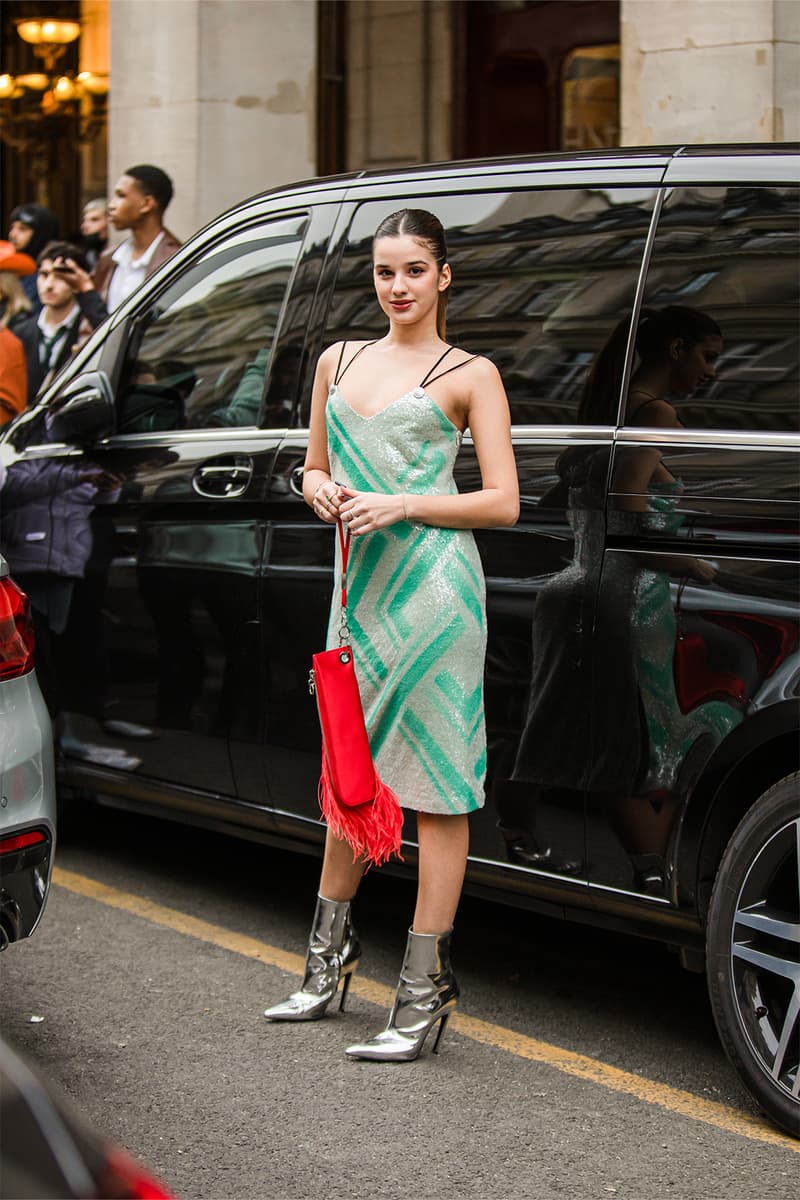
(83, 411)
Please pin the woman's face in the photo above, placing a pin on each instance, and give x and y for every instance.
(20, 235)
(693, 365)
(407, 278)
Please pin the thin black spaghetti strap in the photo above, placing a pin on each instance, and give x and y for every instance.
(463, 363)
(435, 365)
(639, 407)
(339, 364)
(341, 375)
(652, 400)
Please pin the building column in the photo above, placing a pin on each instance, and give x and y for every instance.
(699, 72)
(220, 95)
(399, 82)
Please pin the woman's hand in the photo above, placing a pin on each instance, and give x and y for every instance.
(364, 512)
(327, 502)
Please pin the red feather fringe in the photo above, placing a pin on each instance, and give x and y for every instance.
(374, 831)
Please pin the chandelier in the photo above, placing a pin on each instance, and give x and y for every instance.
(40, 105)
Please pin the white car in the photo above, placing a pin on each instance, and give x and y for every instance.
(27, 776)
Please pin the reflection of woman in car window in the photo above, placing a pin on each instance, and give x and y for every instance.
(678, 348)
(627, 736)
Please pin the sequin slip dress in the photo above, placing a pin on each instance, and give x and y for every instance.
(416, 604)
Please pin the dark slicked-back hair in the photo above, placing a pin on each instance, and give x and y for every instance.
(65, 250)
(426, 228)
(153, 182)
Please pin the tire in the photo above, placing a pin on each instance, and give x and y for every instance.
(753, 952)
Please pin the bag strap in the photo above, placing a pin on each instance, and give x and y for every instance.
(344, 544)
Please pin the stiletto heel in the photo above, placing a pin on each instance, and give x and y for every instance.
(427, 993)
(347, 979)
(439, 1032)
(333, 955)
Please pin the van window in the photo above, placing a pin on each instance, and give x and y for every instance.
(199, 355)
(718, 334)
(539, 280)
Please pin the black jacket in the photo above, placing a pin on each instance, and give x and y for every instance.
(90, 312)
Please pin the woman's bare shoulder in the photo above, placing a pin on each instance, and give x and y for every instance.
(654, 412)
(480, 371)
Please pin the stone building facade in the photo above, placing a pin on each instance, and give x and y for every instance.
(234, 96)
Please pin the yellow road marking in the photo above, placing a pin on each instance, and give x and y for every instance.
(675, 1100)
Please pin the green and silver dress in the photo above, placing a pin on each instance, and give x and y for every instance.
(416, 607)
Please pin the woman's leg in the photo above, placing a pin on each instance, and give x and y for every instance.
(333, 946)
(340, 875)
(427, 992)
(443, 846)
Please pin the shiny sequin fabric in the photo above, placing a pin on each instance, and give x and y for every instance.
(416, 608)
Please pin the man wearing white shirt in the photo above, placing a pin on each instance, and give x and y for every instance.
(140, 197)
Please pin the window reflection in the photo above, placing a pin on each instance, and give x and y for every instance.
(733, 253)
(201, 354)
(540, 278)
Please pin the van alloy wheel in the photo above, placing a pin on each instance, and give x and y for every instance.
(754, 952)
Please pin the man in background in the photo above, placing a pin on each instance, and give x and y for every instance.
(140, 198)
(71, 309)
(94, 230)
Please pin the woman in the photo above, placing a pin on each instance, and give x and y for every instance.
(380, 458)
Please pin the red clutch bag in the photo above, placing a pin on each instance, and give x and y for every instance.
(357, 806)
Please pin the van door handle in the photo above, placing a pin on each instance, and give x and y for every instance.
(296, 480)
(223, 478)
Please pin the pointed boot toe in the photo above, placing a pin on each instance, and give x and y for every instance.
(332, 958)
(427, 994)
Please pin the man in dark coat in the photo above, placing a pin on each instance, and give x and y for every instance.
(71, 309)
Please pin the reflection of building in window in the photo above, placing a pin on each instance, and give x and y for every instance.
(732, 252)
(590, 98)
(540, 280)
(220, 320)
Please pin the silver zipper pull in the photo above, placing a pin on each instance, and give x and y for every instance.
(312, 682)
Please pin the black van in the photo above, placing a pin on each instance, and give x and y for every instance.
(643, 670)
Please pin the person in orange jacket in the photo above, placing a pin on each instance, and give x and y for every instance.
(14, 308)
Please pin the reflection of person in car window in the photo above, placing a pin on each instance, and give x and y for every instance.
(626, 736)
(678, 348)
(46, 534)
(244, 406)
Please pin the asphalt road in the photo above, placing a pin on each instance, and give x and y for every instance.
(585, 1064)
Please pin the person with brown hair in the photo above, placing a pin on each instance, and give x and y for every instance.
(387, 421)
(71, 309)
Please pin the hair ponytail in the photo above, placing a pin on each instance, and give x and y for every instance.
(441, 314)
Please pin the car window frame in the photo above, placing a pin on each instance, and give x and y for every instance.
(647, 172)
(722, 171)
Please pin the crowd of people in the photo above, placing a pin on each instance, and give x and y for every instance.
(54, 292)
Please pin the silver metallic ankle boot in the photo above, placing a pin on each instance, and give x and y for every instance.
(426, 993)
(333, 955)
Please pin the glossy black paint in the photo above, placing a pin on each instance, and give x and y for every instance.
(24, 876)
(209, 580)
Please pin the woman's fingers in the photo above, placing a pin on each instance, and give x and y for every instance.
(326, 502)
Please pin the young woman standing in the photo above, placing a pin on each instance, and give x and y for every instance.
(387, 421)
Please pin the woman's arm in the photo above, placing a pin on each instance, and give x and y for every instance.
(317, 469)
(496, 503)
